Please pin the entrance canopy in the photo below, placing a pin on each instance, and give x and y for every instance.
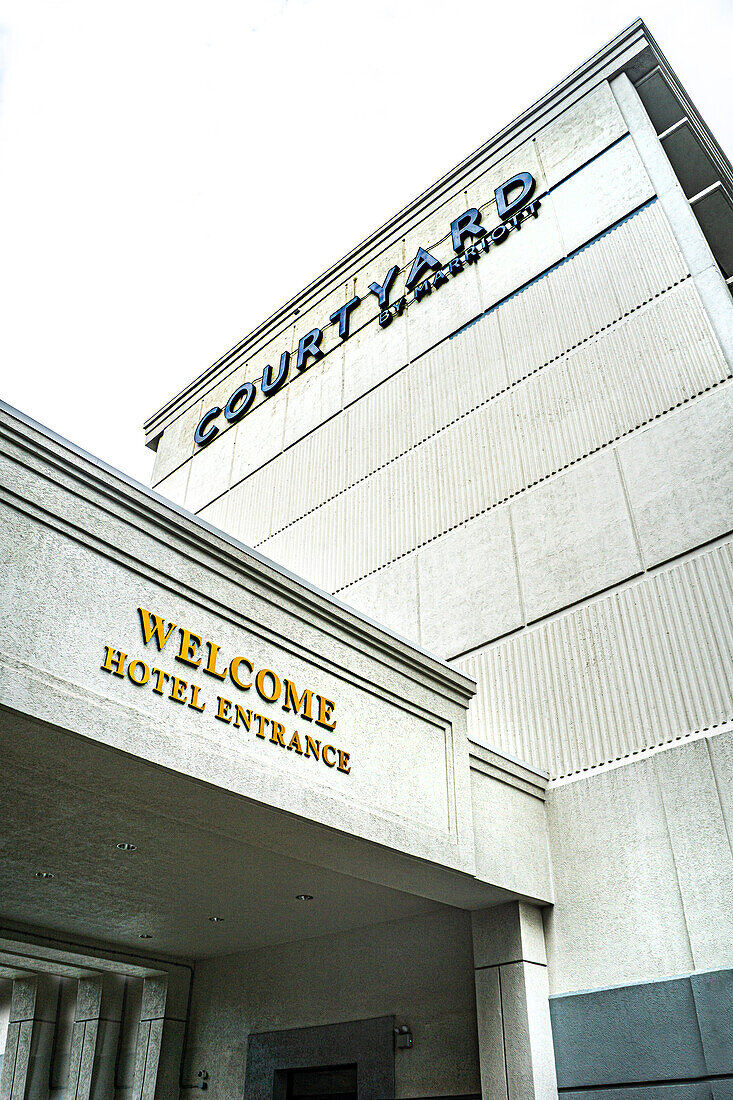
(189, 732)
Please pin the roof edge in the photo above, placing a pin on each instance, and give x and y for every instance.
(610, 59)
(354, 628)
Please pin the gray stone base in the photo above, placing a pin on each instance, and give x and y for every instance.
(667, 1040)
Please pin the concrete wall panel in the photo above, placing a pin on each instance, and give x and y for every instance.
(702, 852)
(574, 530)
(521, 257)
(178, 570)
(619, 839)
(373, 354)
(579, 133)
(721, 757)
(713, 994)
(553, 419)
(691, 1090)
(641, 257)
(633, 1033)
(509, 835)
(446, 309)
(176, 444)
(174, 486)
(480, 190)
(606, 189)
(248, 507)
(391, 597)
(314, 397)
(211, 472)
(619, 674)
(675, 1033)
(680, 479)
(476, 561)
(301, 479)
(615, 918)
(259, 437)
(686, 364)
(470, 369)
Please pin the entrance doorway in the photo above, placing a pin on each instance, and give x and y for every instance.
(324, 1083)
(353, 1060)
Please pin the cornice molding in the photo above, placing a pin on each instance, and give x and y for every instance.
(507, 769)
(41, 451)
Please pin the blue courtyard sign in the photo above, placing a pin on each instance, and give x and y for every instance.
(470, 240)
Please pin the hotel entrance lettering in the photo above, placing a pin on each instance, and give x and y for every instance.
(236, 677)
(470, 240)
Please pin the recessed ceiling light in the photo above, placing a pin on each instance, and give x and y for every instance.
(216, 920)
(45, 874)
(304, 897)
(125, 847)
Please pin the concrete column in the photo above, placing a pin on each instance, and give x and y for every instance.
(512, 1005)
(27, 1061)
(96, 1033)
(160, 1038)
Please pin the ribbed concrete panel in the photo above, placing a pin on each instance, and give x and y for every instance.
(533, 327)
(250, 507)
(633, 263)
(307, 549)
(639, 258)
(552, 316)
(583, 297)
(471, 368)
(688, 362)
(553, 419)
(561, 416)
(217, 512)
(305, 478)
(526, 335)
(588, 399)
(640, 668)
(389, 407)
(678, 478)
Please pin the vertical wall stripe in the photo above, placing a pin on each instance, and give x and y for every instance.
(639, 668)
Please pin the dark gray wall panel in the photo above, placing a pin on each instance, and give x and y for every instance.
(699, 1090)
(678, 1031)
(645, 1032)
(713, 994)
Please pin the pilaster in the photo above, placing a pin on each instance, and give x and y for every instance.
(95, 1037)
(29, 1047)
(160, 1039)
(515, 1038)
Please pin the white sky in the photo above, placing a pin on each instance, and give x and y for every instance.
(172, 172)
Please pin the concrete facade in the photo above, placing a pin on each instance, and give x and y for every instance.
(487, 531)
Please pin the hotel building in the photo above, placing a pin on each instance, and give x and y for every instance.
(383, 749)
